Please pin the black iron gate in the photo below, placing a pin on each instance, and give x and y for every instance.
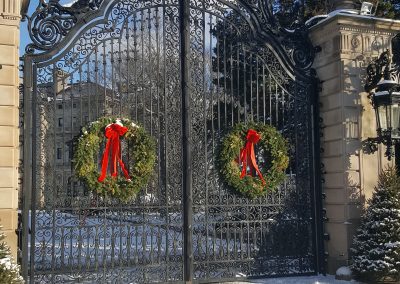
(187, 71)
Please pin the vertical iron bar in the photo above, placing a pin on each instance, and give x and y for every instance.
(317, 186)
(251, 87)
(218, 83)
(238, 82)
(112, 63)
(150, 72)
(104, 79)
(53, 173)
(128, 81)
(184, 28)
(27, 182)
(158, 93)
(205, 123)
(257, 91)
(96, 80)
(165, 138)
(231, 83)
(143, 70)
(119, 79)
(135, 59)
(276, 106)
(225, 79)
(34, 170)
(244, 85)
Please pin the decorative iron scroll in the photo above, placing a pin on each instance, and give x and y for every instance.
(299, 47)
(125, 60)
(375, 70)
(51, 22)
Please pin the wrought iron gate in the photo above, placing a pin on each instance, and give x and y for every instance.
(187, 71)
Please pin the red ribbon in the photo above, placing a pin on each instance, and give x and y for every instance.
(112, 133)
(247, 155)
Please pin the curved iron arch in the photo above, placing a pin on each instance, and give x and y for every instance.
(52, 26)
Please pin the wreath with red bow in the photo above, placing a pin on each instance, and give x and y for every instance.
(253, 159)
(112, 177)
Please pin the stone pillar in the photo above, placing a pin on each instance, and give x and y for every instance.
(349, 43)
(9, 118)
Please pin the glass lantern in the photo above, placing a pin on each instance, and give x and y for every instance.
(386, 102)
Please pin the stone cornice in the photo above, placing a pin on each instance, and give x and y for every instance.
(359, 23)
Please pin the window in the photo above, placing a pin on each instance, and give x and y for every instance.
(60, 106)
(74, 105)
(86, 120)
(59, 153)
(60, 122)
(70, 147)
(74, 122)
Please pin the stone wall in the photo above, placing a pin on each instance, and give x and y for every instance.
(349, 43)
(9, 117)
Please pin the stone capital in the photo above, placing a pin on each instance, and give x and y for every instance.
(348, 36)
(10, 11)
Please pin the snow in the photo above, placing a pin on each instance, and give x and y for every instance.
(320, 279)
(69, 4)
(135, 237)
(343, 271)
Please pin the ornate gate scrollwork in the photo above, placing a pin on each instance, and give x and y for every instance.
(187, 71)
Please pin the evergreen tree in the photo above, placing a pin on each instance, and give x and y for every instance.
(387, 8)
(9, 271)
(290, 11)
(376, 246)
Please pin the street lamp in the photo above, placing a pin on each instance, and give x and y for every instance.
(386, 103)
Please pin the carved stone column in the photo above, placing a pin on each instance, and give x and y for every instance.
(9, 117)
(349, 43)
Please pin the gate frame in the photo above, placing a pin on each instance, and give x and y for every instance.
(99, 12)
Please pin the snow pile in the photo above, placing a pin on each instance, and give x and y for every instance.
(343, 271)
(376, 246)
(320, 279)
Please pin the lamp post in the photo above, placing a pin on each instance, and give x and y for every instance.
(385, 98)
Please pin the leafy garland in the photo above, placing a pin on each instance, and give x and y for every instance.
(272, 146)
(142, 155)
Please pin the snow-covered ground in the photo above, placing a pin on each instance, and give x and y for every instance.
(320, 279)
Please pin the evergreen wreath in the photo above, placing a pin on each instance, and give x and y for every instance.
(141, 151)
(273, 149)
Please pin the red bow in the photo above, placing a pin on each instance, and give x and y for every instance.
(247, 155)
(112, 133)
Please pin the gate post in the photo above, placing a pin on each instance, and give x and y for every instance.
(349, 42)
(184, 26)
(10, 17)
